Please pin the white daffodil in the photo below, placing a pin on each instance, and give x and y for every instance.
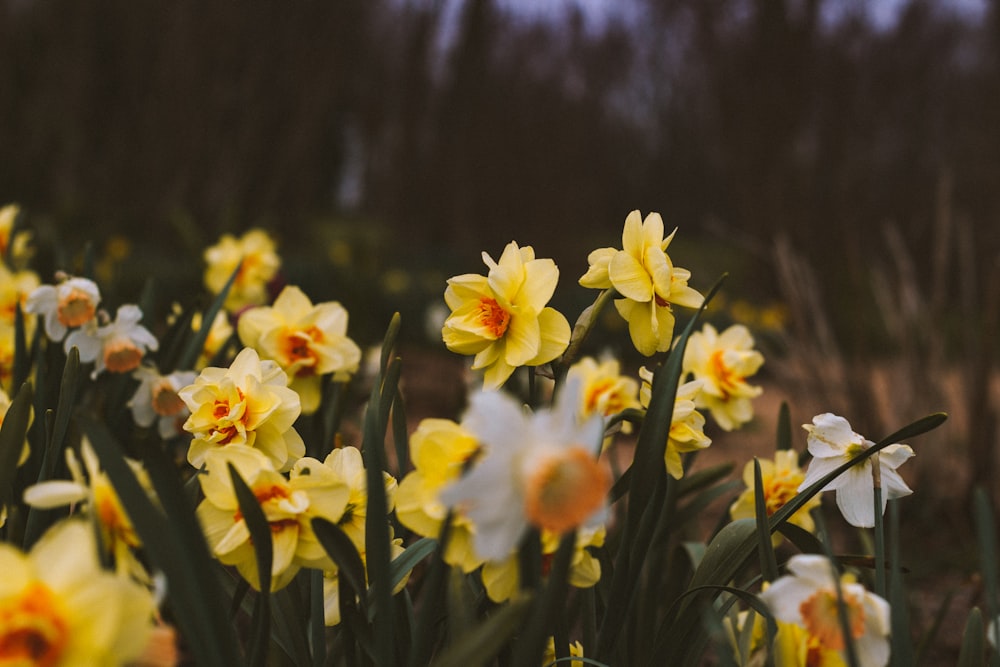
(118, 346)
(157, 400)
(833, 443)
(71, 303)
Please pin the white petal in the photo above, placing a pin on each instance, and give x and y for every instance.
(856, 497)
(54, 493)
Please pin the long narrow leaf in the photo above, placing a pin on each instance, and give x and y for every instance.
(407, 560)
(768, 563)
(351, 569)
(479, 646)
(13, 431)
(197, 342)
(973, 651)
(260, 535)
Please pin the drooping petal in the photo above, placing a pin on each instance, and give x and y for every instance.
(856, 496)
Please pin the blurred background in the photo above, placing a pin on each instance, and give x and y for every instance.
(840, 159)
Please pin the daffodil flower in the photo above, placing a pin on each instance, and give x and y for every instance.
(254, 253)
(157, 400)
(644, 275)
(58, 607)
(781, 479)
(117, 347)
(605, 391)
(808, 598)
(70, 304)
(539, 470)
(248, 403)
(307, 341)
(723, 362)
(687, 425)
(14, 291)
(832, 443)
(502, 319)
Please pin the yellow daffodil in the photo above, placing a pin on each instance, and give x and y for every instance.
(781, 479)
(7, 335)
(440, 449)
(157, 400)
(58, 607)
(331, 580)
(260, 263)
(289, 506)
(218, 335)
(723, 362)
(248, 403)
(687, 425)
(118, 346)
(832, 443)
(14, 291)
(605, 391)
(646, 278)
(70, 304)
(502, 319)
(307, 341)
(575, 651)
(8, 214)
(539, 470)
(808, 598)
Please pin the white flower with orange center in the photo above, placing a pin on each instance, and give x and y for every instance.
(248, 403)
(646, 278)
(118, 346)
(502, 319)
(307, 341)
(58, 607)
(70, 304)
(289, 505)
(808, 598)
(781, 479)
(723, 362)
(538, 469)
(157, 400)
(254, 253)
(832, 443)
(687, 425)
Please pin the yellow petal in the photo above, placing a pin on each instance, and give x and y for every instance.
(555, 333)
(630, 278)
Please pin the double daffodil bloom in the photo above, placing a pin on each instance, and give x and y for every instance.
(781, 479)
(289, 506)
(248, 403)
(254, 253)
(832, 443)
(307, 341)
(14, 291)
(604, 390)
(502, 319)
(723, 362)
(807, 598)
(58, 607)
(644, 275)
(687, 425)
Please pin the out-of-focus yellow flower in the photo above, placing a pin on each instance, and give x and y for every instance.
(781, 479)
(604, 390)
(502, 318)
(95, 490)
(8, 214)
(58, 607)
(808, 598)
(643, 274)
(723, 362)
(440, 449)
(219, 333)
(289, 507)
(687, 425)
(156, 400)
(502, 578)
(575, 651)
(331, 580)
(248, 403)
(307, 341)
(118, 346)
(260, 264)
(14, 290)
(7, 334)
(70, 304)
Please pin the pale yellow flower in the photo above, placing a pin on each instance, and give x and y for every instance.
(8, 214)
(723, 362)
(307, 341)
(502, 319)
(260, 263)
(687, 425)
(605, 391)
(646, 278)
(70, 304)
(781, 478)
(289, 505)
(58, 607)
(248, 403)
(7, 334)
(14, 290)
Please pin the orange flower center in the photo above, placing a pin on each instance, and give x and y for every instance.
(778, 491)
(112, 516)
(75, 308)
(230, 418)
(565, 490)
(121, 356)
(493, 317)
(603, 390)
(821, 620)
(32, 629)
(724, 375)
(166, 402)
(297, 348)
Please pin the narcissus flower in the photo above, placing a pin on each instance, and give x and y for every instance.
(502, 317)
(248, 403)
(118, 346)
(538, 470)
(781, 479)
(723, 362)
(808, 598)
(643, 274)
(14, 290)
(260, 263)
(687, 425)
(219, 334)
(289, 507)
(832, 443)
(58, 607)
(604, 390)
(157, 400)
(307, 341)
(70, 304)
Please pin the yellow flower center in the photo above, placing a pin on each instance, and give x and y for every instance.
(493, 317)
(32, 628)
(725, 377)
(166, 402)
(296, 345)
(779, 490)
(565, 490)
(821, 620)
(75, 308)
(122, 356)
(602, 390)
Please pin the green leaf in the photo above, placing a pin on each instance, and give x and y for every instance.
(973, 652)
(407, 560)
(197, 342)
(260, 536)
(64, 409)
(784, 428)
(291, 620)
(389, 341)
(479, 646)
(13, 431)
(700, 479)
(22, 356)
(551, 603)
(351, 569)
(768, 563)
